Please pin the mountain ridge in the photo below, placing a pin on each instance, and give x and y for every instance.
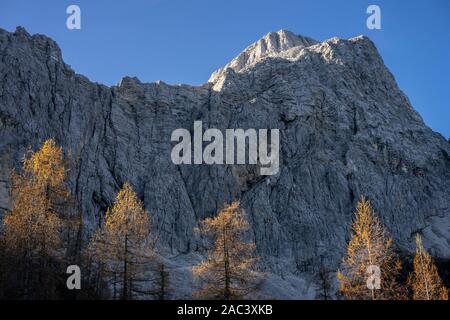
(346, 128)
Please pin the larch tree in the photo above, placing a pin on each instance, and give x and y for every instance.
(369, 249)
(161, 289)
(122, 247)
(32, 229)
(425, 282)
(229, 270)
(325, 283)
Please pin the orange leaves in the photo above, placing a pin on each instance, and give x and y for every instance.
(33, 226)
(46, 165)
(121, 248)
(128, 216)
(228, 272)
(369, 246)
(425, 281)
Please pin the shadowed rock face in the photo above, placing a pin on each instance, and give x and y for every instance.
(346, 130)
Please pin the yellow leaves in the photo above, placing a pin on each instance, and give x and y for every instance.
(227, 273)
(229, 217)
(46, 165)
(369, 246)
(121, 247)
(128, 216)
(32, 225)
(344, 284)
(425, 281)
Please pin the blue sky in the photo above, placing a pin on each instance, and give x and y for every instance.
(184, 41)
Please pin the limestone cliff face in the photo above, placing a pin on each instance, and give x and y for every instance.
(346, 130)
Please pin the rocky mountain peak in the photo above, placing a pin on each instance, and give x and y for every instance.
(347, 130)
(21, 41)
(271, 44)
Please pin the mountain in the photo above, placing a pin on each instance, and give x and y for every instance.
(346, 130)
(271, 45)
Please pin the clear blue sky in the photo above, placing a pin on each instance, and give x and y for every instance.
(184, 41)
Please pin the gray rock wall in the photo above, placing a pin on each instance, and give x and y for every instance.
(346, 130)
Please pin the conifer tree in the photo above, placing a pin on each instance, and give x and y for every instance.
(425, 282)
(369, 246)
(122, 247)
(228, 272)
(323, 278)
(161, 289)
(32, 229)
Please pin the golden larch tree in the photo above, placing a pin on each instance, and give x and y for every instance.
(32, 229)
(369, 247)
(122, 247)
(425, 282)
(229, 270)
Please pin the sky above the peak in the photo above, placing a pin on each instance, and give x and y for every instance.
(180, 41)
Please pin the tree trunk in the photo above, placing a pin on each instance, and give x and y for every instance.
(125, 272)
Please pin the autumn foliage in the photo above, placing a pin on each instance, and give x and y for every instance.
(121, 248)
(425, 282)
(228, 272)
(42, 234)
(32, 229)
(369, 246)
